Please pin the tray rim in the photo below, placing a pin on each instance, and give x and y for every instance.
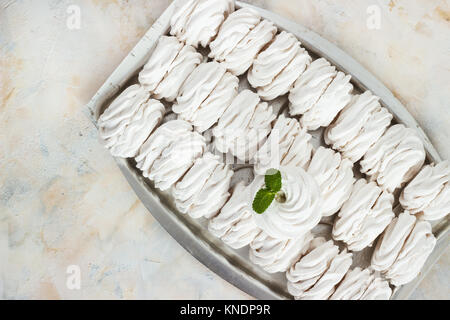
(169, 220)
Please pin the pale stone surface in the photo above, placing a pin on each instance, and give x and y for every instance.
(63, 201)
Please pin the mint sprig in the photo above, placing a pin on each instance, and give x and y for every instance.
(262, 201)
(273, 180)
(265, 196)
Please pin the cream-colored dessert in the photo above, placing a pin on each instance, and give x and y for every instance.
(284, 81)
(203, 190)
(180, 16)
(179, 70)
(395, 158)
(205, 95)
(156, 68)
(274, 149)
(332, 101)
(362, 284)
(364, 216)
(196, 89)
(186, 190)
(428, 194)
(277, 255)
(158, 141)
(353, 285)
(275, 69)
(176, 159)
(403, 249)
(271, 61)
(335, 178)
(129, 120)
(319, 270)
(310, 86)
(396, 234)
(197, 22)
(141, 125)
(215, 105)
(378, 290)
(242, 56)
(244, 126)
(234, 224)
(117, 116)
(233, 30)
(300, 151)
(298, 213)
(359, 125)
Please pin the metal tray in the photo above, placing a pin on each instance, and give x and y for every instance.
(234, 265)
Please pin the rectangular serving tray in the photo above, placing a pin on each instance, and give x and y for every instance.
(234, 265)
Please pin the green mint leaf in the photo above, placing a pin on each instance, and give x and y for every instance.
(273, 180)
(262, 201)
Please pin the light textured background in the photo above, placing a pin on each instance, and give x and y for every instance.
(63, 201)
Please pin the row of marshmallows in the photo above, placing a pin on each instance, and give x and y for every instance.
(276, 63)
(319, 93)
(280, 241)
(173, 155)
(322, 271)
(357, 125)
(176, 78)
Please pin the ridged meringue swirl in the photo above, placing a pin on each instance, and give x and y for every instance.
(234, 224)
(359, 125)
(196, 89)
(395, 235)
(118, 115)
(316, 274)
(270, 62)
(300, 152)
(299, 213)
(378, 290)
(277, 255)
(186, 190)
(233, 30)
(277, 145)
(141, 125)
(177, 159)
(353, 285)
(215, 105)
(129, 120)
(310, 86)
(333, 100)
(284, 81)
(287, 145)
(203, 190)
(244, 126)
(428, 194)
(413, 255)
(158, 65)
(158, 141)
(183, 65)
(363, 216)
(395, 158)
(242, 56)
(403, 249)
(197, 22)
(180, 16)
(362, 284)
(335, 178)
